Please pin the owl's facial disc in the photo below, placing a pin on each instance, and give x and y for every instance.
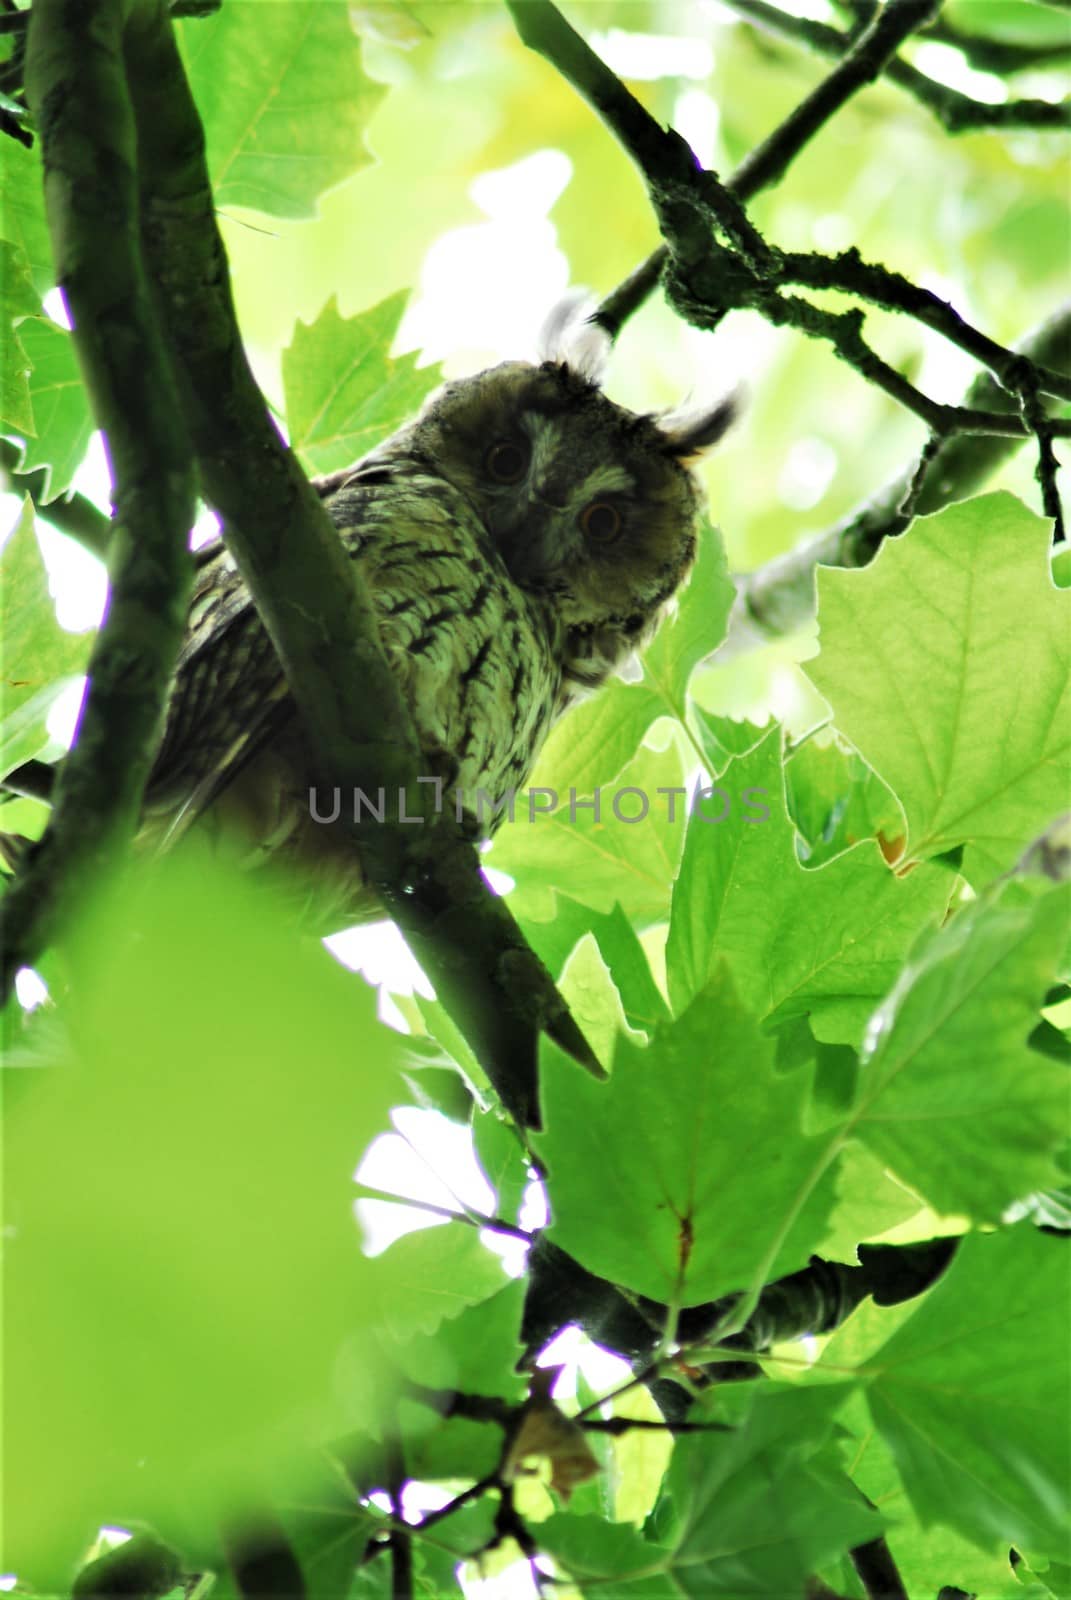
(591, 507)
(559, 518)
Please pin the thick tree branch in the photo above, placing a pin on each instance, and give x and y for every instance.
(75, 81)
(71, 514)
(957, 112)
(315, 607)
(815, 1300)
(781, 597)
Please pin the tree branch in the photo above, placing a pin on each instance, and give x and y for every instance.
(815, 1300)
(862, 64)
(316, 609)
(956, 112)
(704, 279)
(877, 1571)
(474, 1219)
(850, 274)
(780, 597)
(401, 1541)
(75, 81)
(989, 55)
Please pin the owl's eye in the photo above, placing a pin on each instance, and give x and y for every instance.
(506, 461)
(601, 522)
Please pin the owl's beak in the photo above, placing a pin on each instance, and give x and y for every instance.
(531, 547)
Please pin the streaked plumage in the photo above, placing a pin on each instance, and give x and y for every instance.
(520, 539)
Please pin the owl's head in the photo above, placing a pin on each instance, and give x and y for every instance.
(592, 507)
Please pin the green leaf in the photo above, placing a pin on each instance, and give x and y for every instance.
(591, 995)
(722, 738)
(22, 212)
(696, 632)
(476, 1350)
(62, 418)
(328, 1533)
(467, 1348)
(972, 1394)
(761, 1508)
(502, 1159)
(284, 100)
(590, 747)
(601, 861)
(447, 1450)
(344, 394)
(923, 1556)
(186, 1271)
(952, 1097)
(651, 1173)
(829, 942)
(915, 664)
(390, 21)
(748, 1512)
(593, 1551)
(1015, 20)
(18, 299)
(432, 1274)
(1061, 565)
(869, 1203)
(836, 800)
(37, 658)
(464, 1533)
(621, 950)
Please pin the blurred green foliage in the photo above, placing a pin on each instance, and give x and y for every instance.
(820, 1029)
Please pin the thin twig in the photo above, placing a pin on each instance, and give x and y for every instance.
(1001, 56)
(616, 1427)
(862, 63)
(780, 597)
(957, 112)
(455, 1403)
(474, 1219)
(465, 1497)
(850, 274)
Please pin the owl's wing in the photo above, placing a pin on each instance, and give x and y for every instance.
(229, 696)
(229, 699)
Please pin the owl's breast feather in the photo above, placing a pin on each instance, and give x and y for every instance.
(476, 656)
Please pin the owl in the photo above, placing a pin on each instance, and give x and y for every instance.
(520, 540)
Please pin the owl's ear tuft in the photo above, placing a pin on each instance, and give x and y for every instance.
(570, 340)
(691, 430)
